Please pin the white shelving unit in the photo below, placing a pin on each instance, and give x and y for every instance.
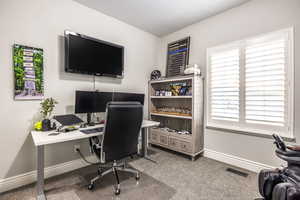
(189, 144)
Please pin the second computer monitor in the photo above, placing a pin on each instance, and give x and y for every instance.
(91, 102)
(123, 96)
(84, 102)
(101, 100)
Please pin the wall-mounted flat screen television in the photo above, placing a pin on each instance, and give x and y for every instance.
(86, 55)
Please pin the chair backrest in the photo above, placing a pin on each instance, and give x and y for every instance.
(122, 127)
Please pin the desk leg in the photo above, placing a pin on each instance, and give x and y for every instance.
(144, 145)
(40, 173)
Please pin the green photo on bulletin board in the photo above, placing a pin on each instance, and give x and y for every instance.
(28, 72)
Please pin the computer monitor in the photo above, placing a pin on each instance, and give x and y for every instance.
(101, 100)
(122, 96)
(84, 102)
(91, 102)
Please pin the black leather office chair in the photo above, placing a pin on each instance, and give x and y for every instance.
(120, 139)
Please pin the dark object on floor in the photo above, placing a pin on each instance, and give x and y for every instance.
(237, 172)
(120, 139)
(282, 184)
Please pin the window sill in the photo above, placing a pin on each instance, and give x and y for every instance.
(249, 133)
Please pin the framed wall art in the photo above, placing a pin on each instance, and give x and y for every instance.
(177, 57)
(28, 72)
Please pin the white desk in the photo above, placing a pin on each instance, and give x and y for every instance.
(41, 139)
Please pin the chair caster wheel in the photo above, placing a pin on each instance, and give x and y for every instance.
(91, 186)
(117, 191)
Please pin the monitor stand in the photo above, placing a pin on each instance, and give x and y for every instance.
(88, 118)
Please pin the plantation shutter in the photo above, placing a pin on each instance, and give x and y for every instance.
(224, 85)
(250, 85)
(265, 82)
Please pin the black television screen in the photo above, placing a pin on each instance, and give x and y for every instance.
(88, 55)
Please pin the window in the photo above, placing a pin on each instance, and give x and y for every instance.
(250, 84)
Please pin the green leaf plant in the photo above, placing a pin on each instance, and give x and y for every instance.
(47, 107)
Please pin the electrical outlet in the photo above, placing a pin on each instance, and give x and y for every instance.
(76, 146)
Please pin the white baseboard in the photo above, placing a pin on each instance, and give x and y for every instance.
(30, 177)
(236, 161)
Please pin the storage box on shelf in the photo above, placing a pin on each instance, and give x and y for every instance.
(177, 103)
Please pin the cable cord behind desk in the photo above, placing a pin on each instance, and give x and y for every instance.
(83, 158)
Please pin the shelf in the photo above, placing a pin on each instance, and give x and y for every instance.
(172, 79)
(171, 97)
(174, 116)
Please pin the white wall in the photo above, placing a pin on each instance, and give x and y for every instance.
(41, 23)
(250, 19)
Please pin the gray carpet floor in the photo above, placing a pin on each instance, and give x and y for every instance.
(175, 177)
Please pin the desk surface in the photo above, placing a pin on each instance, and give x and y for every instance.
(43, 138)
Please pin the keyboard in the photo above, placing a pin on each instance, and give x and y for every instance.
(92, 130)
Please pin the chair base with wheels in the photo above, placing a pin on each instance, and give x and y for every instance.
(114, 168)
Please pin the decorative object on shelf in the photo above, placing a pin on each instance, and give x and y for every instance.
(192, 69)
(28, 72)
(180, 132)
(178, 57)
(168, 93)
(174, 89)
(47, 107)
(179, 89)
(155, 75)
(189, 91)
(173, 111)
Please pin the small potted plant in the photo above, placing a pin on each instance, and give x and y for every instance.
(47, 107)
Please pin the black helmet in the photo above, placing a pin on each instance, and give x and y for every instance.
(155, 74)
